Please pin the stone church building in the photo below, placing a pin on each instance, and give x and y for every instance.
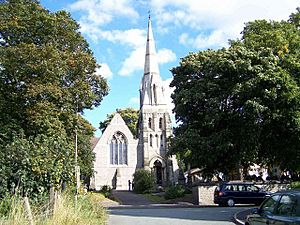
(119, 154)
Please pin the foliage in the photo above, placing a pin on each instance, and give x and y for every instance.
(106, 191)
(143, 181)
(129, 115)
(295, 185)
(88, 212)
(240, 105)
(174, 192)
(47, 75)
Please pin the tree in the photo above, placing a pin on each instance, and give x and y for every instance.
(47, 76)
(227, 102)
(129, 115)
(240, 105)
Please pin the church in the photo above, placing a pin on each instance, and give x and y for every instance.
(119, 154)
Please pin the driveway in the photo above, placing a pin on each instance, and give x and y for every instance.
(173, 216)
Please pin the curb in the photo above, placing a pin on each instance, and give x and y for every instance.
(236, 220)
(240, 217)
(159, 206)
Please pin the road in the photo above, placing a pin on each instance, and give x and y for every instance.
(173, 216)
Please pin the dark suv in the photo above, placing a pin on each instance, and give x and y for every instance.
(231, 193)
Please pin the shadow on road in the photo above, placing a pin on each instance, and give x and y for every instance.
(204, 214)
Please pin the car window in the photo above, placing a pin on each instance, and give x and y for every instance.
(252, 188)
(288, 206)
(269, 205)
(242, 188)
(231, 188)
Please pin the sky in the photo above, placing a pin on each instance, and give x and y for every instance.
(116, 32)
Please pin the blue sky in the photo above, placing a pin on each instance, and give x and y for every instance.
(116, 31)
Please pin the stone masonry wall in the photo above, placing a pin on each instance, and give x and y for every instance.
(204, 194)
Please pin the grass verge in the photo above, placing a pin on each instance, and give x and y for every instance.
(87, 212)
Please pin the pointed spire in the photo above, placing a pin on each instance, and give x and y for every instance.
(151, 92)
(151, 64)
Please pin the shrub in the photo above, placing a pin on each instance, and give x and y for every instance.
(295, 185)
(106, 191)
(143, 181)
(174, 192)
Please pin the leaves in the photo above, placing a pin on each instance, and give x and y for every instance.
(129, 115)
(240, 105)
(47, 76)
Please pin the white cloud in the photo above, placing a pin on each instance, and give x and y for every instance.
(217, 21)
(134, 101)
(134, 62)
(217, 38)
(104, 71)
(100, 12)
(165, 55)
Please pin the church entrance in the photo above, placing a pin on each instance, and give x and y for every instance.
(158, 171)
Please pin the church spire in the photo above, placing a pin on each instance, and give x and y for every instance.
(151, 92)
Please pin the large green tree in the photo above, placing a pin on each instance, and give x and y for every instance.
(47, 76)
(240, 105)
(129, 115)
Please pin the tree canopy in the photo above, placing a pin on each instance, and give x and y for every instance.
(240, 105)
(47, 76)
(129, 115)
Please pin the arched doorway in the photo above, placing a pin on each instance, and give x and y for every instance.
(158, 171)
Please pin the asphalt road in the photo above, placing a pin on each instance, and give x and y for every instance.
(173, 216)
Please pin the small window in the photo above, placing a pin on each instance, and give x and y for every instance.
(151, 140)
(160, 123)
(150, 123)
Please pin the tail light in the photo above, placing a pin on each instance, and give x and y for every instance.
(221, 193)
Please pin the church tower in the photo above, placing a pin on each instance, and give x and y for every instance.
(154, 120)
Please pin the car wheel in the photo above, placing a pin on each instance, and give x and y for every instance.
(230, 202)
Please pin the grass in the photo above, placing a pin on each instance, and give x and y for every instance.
(87, 212)
(161, 200)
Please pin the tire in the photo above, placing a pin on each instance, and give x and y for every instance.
(230, 202)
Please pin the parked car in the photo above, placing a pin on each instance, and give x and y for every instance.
(280, 208)
(231, 193)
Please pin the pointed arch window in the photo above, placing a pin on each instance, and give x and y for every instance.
(150, 123)
(118, 149)
(160, 125)
(151, 140)
(154, 94)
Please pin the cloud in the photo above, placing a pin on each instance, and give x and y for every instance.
(134, 101)
(136, 60)
(214, 22)
(104, 71)
(165, 55)
(217, 38)
(100, 12)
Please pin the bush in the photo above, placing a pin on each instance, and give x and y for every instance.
(174, 192)
(143, 181)
(295, 185)
(106, 191)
